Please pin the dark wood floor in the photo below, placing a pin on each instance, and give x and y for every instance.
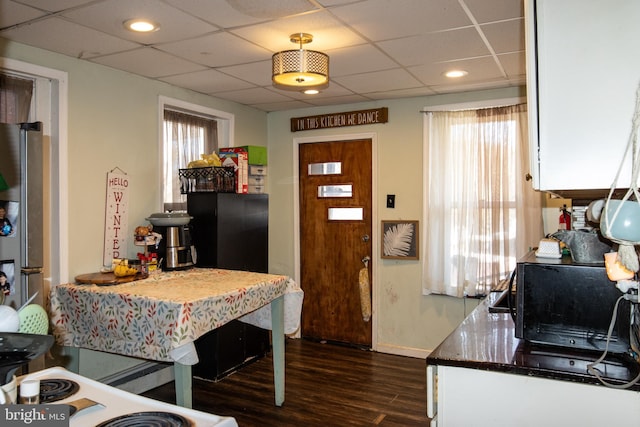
(325, 385)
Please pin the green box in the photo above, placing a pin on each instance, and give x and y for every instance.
(257, 154)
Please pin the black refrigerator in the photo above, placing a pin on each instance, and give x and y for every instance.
(230, 231)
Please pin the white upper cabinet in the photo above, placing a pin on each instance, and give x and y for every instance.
(583, 70)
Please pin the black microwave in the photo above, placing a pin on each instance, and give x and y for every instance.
(562, 303)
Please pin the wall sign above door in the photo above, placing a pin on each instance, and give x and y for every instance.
(336, 120)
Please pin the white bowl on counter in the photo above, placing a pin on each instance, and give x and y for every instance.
(169, 219)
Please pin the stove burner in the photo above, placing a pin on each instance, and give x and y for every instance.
(148, 419)
(52, 390)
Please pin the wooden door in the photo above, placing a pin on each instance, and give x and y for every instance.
(332, 250)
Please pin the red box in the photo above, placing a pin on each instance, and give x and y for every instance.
(240, 161)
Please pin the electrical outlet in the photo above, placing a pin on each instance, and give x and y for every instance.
(391, 201)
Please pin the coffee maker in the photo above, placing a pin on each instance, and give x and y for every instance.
(176, 248)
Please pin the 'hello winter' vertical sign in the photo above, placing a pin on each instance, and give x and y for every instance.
(116, 224)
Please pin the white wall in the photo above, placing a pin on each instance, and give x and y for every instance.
(408, 322)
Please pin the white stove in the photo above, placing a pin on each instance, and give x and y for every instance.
(116, 403)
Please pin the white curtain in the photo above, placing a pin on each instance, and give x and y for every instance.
(480, 214)
(186, 137)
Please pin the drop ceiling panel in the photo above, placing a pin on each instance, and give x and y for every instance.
(12, 13)
(378, 48)
(328, 33)
(217, 50)
(495, 10)
(217, 12)
(328, 3)
(258, 73)
(109, 15)
(436, 47)
(55, 5)
(254, 96)
(379, 81)
(433, 74)
(273, 9)
(514, 65)
(403, 93)
(389, 19)
(472, 86)
(348, 99)
(207, 81)
(277, 106)
(507, 36)
(351, 60)
(59, 35)
(148, 62)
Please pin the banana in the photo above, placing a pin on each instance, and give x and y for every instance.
(123, 270)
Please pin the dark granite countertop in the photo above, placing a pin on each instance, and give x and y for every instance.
(486, 341)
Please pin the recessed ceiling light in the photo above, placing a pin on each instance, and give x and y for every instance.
(311, 91)
(454, 74)
(141, 25)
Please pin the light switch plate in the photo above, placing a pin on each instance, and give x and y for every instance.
(391, 201)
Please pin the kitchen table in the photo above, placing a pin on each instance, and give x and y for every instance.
(160, 317)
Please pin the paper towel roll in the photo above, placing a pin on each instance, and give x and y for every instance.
(365, 295)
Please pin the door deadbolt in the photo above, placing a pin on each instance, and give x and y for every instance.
(365, 238)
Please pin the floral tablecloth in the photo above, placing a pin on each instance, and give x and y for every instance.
(159, 318)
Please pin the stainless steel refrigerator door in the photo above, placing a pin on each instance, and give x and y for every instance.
(21, 164)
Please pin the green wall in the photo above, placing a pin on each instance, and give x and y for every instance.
(408, 322)
(113, 121)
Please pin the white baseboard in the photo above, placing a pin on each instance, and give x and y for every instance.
(418, 353)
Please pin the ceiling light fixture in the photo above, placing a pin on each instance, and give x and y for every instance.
(454, 74)
(300, 69)
(141, 25)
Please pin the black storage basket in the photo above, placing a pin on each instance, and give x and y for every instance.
(211, 179)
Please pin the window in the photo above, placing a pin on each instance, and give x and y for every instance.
(480, 214)
(188, 131)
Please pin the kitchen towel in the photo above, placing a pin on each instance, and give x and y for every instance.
(365, 296)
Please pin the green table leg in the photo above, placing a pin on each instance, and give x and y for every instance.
(277, 341)
(183, 379)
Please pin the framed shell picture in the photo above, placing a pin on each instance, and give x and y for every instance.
(400, 240)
